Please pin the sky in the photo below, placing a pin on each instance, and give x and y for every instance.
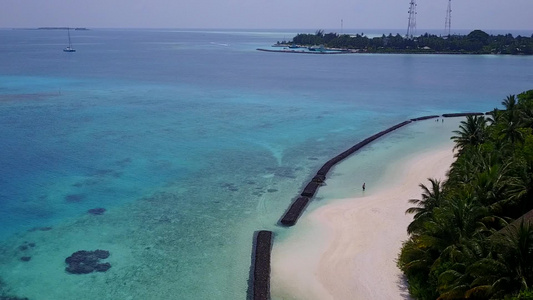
(265, 14)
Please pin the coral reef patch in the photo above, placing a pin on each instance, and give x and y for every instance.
(85, 262)
(5, 293)
(74, 198)
(40, 229)
(96, 211)
(12, 298)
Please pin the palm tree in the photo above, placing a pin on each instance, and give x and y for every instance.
(491, 185)
(517, 245)
(508, 268)
(431, 198)
(512, 128)
(526, 115)
(474, 160)
(449, 238)
(511, 120)
(457, 281)
(462, 170)
(521, 187)
(459, 219)
(415, 261)
(525, 103)
(494, 116)
(510, 103)
(471, 132)
(490, 278)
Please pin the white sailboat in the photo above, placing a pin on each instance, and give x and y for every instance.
(69, 48)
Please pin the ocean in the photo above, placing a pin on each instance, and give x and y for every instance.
(192, 140)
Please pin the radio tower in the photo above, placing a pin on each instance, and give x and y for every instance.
(411, 26)
(448, 25)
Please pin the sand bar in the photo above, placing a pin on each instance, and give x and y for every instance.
(349, 247)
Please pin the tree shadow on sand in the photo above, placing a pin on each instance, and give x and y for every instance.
(403, 287)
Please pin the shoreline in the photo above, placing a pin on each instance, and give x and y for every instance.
(305, 52)
(349, 246)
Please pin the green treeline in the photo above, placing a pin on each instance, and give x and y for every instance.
(476, 42)
(463, 243)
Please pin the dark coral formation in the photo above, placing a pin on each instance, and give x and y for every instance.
(4, 292)
(26, 247)
(96, 211)
(285, 172)
(74, 198)
(84, 262)
(102, 267)
(229, 186)
(39, 229)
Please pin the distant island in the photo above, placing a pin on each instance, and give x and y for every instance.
(61, 28)
(476, 42)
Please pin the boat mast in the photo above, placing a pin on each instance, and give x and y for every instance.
(68, 31)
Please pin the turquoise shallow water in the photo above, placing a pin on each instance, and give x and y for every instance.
(191, 140)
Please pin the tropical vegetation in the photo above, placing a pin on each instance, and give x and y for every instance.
(476, 42)
(469, 238)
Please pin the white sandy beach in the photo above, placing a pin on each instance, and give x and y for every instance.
(348, 248)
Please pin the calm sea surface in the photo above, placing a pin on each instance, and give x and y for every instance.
(191, 141)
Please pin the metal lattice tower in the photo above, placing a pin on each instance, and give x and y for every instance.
(411, 26)
(448, 25)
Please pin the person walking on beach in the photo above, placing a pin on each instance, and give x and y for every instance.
(363, 186)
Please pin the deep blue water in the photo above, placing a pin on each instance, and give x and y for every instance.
(226, 133)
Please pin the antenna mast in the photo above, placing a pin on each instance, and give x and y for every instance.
(411, 26)
(448, 24)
